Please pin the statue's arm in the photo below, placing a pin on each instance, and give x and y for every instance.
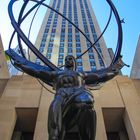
(104, 75)
(42, 72)
(37, 72)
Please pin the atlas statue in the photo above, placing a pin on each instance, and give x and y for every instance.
(73, 104)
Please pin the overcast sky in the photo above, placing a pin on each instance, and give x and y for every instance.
(128, 9)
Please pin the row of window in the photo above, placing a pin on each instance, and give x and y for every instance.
(53, 31)
(43, 42)
(62, 37)
(90, 52)
(77, 39)
(93, 32)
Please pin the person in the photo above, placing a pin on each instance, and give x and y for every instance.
(73, 103)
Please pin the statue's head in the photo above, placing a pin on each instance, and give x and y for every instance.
(70, 62)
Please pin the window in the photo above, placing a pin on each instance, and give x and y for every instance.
(51, 15)
(41, 49)
(69, 25)
(46, 30)
(70, 30)
(92, 28)
(76, 31)
(86, 30)
(62, 40)
(61, 56)
(48, 56)
(77, 39)
(61, 44)
(99, 49)
(70, 35)
(84, 22)
(64, 20)
(63, 25)
(56, 15)
(91, 56)
(54, 25)
(79, 68)
(48, 22)
(63, 30)
(95, 36)
(93, 68)
(49, 50)
(53, 30)
(88, 36)
(43, 39)
(77, 36)
(78, 50)
(60, 62)
(69, 39)
(50, 45)
(79, 63)
(90, 51)
(101, 62)
(69, 50)
(42, 45)
(78, 54)
(37, 61)
(51, 39)
(78, 45)
(69, 44)
(52, 34)
(92, 63)
(62, 36)
(55, 20)
(61, 50)
(45, 35)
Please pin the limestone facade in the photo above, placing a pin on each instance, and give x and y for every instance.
(24, 105)
(4, 74)
(135, 71)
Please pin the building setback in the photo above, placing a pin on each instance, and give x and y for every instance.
(135, 71)
(24, 105)
(4, 74)
(57, 38)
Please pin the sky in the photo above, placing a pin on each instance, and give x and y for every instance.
(128, 9)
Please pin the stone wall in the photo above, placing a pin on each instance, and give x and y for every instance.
(24, 102)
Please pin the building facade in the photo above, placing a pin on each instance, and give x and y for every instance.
(24, 105)
(4, 73)
(135, 71)
(11, 68)
(111, 53)
(57, 38)
(6, 67)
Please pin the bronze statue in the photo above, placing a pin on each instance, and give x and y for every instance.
(73, 106)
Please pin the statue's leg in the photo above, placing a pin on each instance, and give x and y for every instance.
(87, 124)
(55, 118)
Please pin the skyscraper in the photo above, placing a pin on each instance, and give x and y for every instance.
(57, 38)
